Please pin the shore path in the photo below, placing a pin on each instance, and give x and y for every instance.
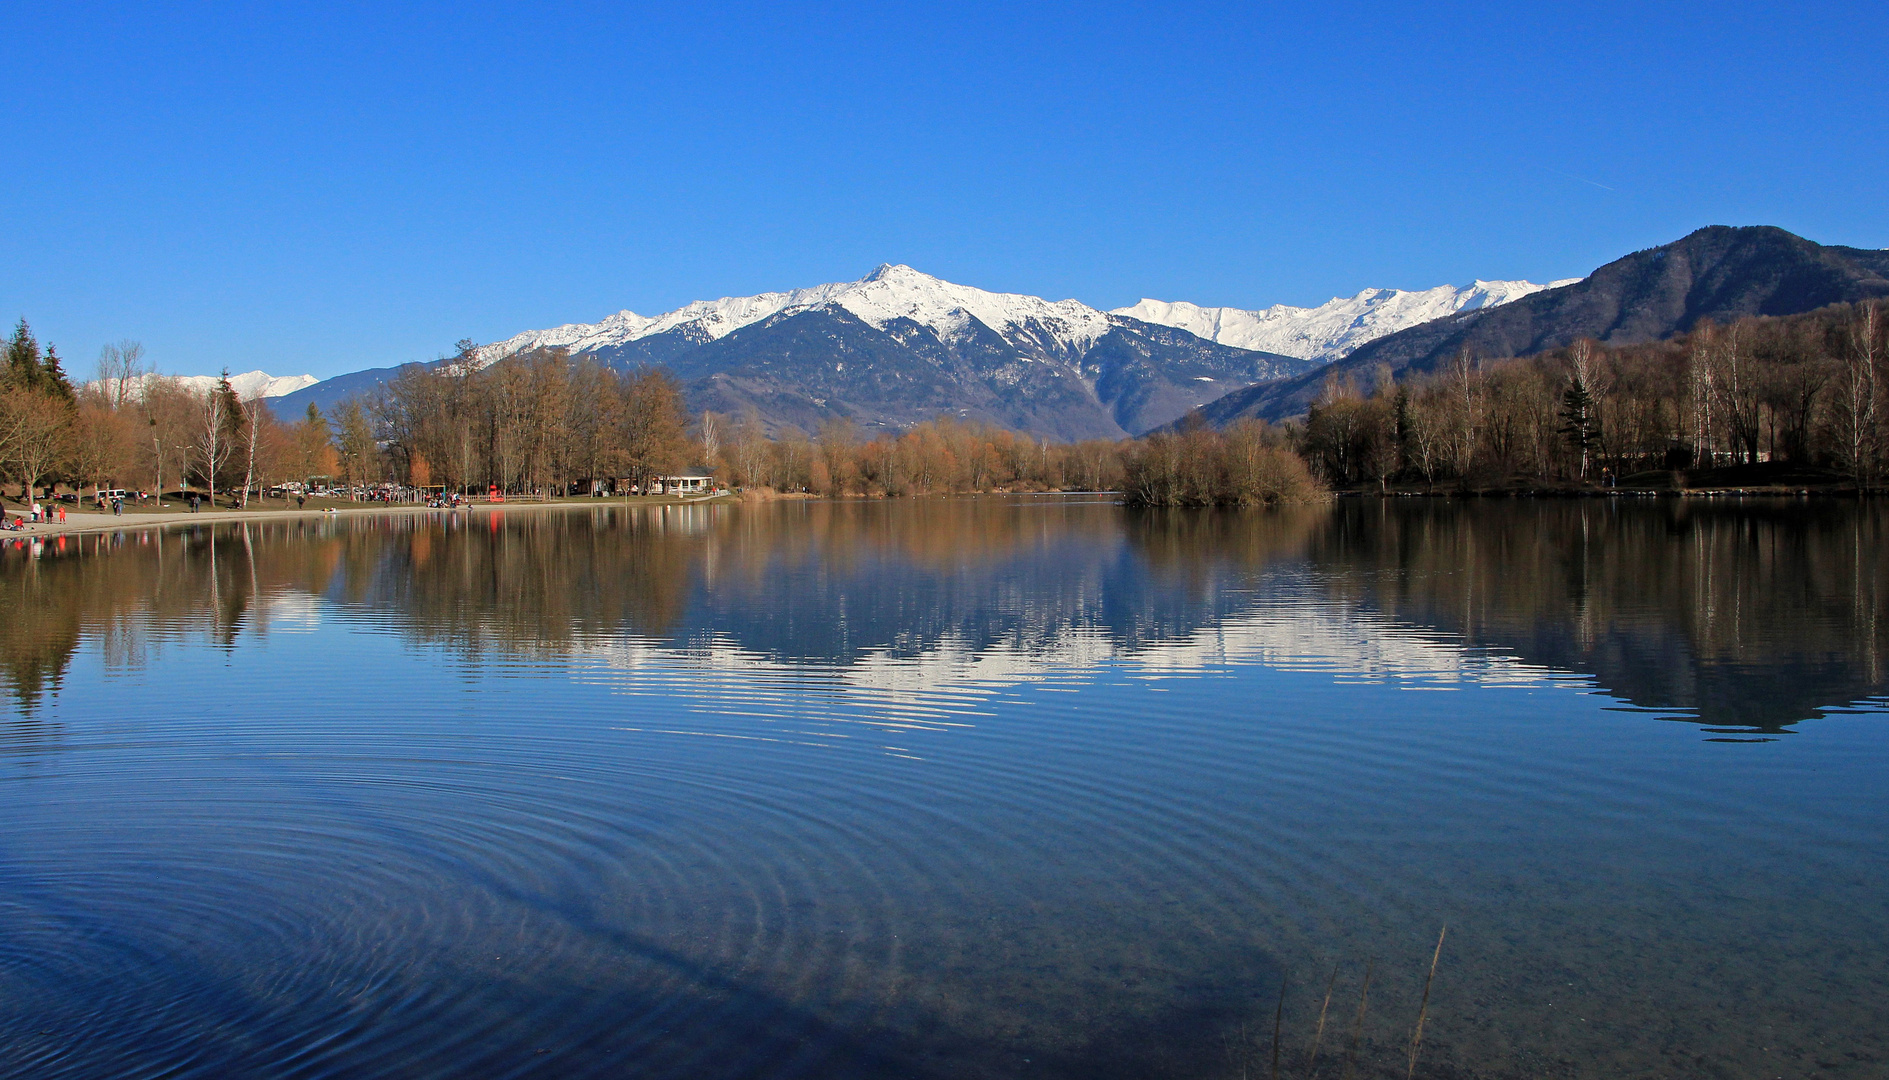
(91, 521)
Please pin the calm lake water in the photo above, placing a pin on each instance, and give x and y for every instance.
(1033, 787)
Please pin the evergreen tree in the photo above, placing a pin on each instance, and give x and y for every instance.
(1579, 422)
(23, 369)
(52, 377)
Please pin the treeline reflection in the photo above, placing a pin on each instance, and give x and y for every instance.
(1750, 615)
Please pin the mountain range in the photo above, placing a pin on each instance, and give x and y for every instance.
(1335, 328)
(899, 346)
(248, 386)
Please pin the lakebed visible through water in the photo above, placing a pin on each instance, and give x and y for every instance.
(982, 787)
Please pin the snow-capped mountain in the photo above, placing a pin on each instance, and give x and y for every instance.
(887, 294)
(248, 386)
(899, 346)
(1336, 328)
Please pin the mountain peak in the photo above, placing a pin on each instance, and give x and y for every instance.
(893, 271)
(890, 292)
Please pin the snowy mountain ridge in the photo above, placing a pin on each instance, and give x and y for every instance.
(1336, 328)
(890, 292)
(248, 386)
(1062, 328)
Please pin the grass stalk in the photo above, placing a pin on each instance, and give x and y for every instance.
(1357, 1029)
(1423, 1009)
(1311, 1065)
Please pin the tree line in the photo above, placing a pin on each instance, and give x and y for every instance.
(1807, 390)
(132, 428)
(544, 421)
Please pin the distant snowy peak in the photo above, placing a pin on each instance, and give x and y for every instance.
(881, 297)
(1054, 327)
(248, 386)
(255, 384)
(1333, 329)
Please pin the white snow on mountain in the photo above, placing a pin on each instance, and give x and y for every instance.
(888, 293)
(1064, 328)
(1333, 329)
(248, 385)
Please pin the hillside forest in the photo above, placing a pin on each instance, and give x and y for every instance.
(1806, 393)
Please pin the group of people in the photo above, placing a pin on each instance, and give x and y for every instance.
(37, 514)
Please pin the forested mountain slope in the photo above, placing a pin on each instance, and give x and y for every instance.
(1718, 273)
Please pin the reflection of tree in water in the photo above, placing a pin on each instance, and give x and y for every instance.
(128, 592)
(1756, 614)
(41, 629)
(525, 584)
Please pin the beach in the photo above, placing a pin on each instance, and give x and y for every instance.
(174, 513)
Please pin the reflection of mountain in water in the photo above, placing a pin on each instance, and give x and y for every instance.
(837, 584)
(1754, 615)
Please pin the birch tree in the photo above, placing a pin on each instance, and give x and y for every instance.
(1854, 419)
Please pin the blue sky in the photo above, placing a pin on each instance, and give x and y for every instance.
(328, 187)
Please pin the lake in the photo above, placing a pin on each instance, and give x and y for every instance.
(985, 787)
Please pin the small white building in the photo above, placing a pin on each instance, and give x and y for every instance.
(682, 485)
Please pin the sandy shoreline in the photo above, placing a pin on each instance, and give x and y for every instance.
(88, 521)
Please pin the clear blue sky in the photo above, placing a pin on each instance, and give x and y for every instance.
(333, 186)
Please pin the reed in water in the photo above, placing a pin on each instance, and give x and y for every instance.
(1357, 1050)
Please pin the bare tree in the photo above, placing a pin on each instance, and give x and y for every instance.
(652, 426)
(1465, 382)
(1737, 389)
(311, 447)
(168, 414)
(710, 428)
(837, 442)
(101, 446)
(122, 372)
(213, 443)
(748, 444)
(254, 412)
(34, 432)
(359, 449)
(1854, 417)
